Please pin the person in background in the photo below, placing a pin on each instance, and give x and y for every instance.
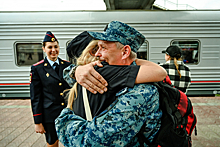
(46, 89)
(119, 124)
(177, 71)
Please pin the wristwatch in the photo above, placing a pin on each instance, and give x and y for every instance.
(72, 72)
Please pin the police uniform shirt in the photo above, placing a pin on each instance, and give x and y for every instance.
(52, 62)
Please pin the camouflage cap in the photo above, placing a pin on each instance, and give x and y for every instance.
(121, 32)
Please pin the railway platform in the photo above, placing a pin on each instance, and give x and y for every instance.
(17, 127)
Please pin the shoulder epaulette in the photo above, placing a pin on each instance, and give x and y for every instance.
(38, 62)
(65, 60)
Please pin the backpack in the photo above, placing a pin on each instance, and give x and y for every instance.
(177, 122)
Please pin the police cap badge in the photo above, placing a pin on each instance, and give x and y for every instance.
(49, 37)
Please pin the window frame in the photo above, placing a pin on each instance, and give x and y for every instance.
(147, 49)
(25, 42)
(199, 48)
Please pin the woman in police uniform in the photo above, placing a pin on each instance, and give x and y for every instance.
(46, 89)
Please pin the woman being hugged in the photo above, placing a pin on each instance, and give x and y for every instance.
(71, 121)
(46, 89)
(117, 76)
(177, 71)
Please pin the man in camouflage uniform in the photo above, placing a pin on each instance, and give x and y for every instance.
(119, 124)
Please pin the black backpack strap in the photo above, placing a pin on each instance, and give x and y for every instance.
(178, 117)
(141, 138)
(170, 104)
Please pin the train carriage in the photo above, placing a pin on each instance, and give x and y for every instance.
(197, 33)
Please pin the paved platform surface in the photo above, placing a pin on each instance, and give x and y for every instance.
(17, 127)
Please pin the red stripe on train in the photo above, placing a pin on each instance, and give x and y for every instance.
(14, 83)
(205, 81)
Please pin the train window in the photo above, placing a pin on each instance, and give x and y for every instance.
(28, 53)
(189, 50)
(142, 52)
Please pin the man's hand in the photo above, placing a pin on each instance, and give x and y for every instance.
(89, 78)
(39, 128)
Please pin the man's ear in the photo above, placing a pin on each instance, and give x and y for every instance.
(126, 51)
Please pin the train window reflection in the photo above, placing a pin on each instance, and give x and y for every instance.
(28, 53)
(189, 50)
(142, 52)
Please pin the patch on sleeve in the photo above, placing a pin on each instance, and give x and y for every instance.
(30, 77)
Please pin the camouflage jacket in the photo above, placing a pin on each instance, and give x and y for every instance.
(118, 125)
(67, 77)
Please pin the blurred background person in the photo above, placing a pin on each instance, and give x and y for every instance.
(177, 71)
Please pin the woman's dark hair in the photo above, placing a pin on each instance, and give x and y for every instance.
(44, 43)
